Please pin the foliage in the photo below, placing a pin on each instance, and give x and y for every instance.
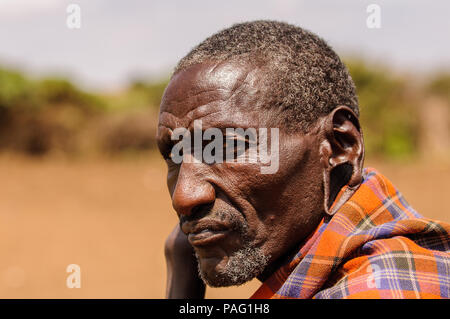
(389, 114)
(440, 85)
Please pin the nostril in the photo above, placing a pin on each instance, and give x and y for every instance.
(200, 211)
(192, 195)
(192, 207)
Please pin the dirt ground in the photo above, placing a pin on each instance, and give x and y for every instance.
(111, 217)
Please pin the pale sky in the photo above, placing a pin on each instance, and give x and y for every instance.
(121, 39)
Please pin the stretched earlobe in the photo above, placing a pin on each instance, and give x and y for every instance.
(342, 153)
(343, 178)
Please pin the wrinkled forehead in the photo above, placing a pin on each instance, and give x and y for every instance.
(205, 83)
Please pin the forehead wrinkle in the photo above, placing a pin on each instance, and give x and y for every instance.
(222, 78)
(198, 112)
(167, 116)
(195, 114)
(226, 123)
(195, 95)
(202, 118)
(228, 95)
(204, 111)
(195, 101)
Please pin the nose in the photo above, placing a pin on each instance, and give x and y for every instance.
(192, 191)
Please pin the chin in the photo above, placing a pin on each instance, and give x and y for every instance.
(237, 269)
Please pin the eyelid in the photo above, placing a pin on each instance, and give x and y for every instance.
(165, 143)
(167, 146)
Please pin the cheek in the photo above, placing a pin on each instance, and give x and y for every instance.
(242, 185)
(257, 196)
(286, 206)
(293, 211)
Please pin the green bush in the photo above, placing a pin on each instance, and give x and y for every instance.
(389, 116)
(15, 90)
(153, 91)
(440, 85)
(38, 116)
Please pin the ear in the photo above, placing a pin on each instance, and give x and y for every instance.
(342, 156)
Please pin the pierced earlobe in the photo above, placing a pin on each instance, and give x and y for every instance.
(345, 178)
(326, 195)
(342, 152)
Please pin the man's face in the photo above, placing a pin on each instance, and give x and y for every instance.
(238, 220)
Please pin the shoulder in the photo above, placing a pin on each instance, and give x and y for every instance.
(395, 267)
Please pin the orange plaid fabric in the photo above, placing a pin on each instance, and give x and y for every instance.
(375, 246)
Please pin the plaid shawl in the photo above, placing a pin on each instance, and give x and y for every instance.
(375, 246)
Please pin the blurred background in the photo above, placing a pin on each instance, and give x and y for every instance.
(81, 180)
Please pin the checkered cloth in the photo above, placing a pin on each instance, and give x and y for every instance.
(375, 246)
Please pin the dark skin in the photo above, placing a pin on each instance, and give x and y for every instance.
(280, 209)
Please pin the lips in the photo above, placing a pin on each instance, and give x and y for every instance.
(206, 237)
(205, 232)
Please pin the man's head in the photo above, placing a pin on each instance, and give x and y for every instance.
(261, 74)
(307, 78)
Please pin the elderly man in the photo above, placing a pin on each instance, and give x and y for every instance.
(319, 226)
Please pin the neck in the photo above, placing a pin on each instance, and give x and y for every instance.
(275, 265)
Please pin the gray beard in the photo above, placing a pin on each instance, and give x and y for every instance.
(242, 266)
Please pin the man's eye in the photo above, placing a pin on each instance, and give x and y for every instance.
(172, 152)
(235, 146)
(167, 155)
(171, 160)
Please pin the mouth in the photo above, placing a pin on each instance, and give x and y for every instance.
(206, 232)
(206, 237)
